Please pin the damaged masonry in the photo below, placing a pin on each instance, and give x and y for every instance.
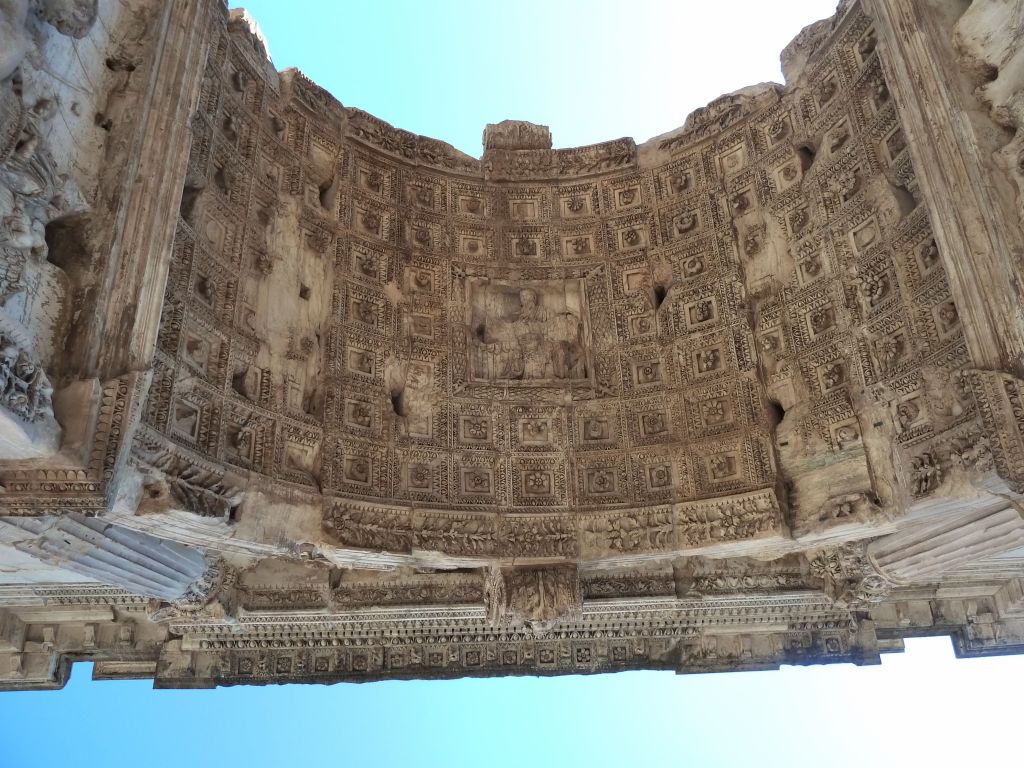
(288, 394)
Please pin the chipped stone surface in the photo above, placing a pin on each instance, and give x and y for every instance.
(749, 392)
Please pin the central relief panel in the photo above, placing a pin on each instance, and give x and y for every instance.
(527, 332)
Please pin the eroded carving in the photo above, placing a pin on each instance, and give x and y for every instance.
(420, 394)
(528, 333)
(537, 598)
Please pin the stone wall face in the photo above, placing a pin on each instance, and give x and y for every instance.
(573, 346)
(486, 407)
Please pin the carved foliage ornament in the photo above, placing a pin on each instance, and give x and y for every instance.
(192, 487)
(848, 575)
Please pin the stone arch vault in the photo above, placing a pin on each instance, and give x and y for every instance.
(288, 393)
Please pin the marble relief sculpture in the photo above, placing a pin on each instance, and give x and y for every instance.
(365, 407)
(528, 333)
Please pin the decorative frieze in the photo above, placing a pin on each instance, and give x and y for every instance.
(735, 398)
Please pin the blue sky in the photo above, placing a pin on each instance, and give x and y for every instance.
(593, 72)
(922, 708)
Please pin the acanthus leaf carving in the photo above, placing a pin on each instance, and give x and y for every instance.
(179, 481)
(848, 575)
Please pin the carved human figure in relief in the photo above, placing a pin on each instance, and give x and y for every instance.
(537, 598)
(16, 226)
(532, 342)
(517, 345)
(73, 18)
(529, 333)
(417, 400)
(24, 388)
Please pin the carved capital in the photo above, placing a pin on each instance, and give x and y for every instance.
(849, 576)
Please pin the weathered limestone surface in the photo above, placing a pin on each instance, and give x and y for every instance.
(289, 394)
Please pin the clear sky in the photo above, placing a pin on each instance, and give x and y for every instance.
(592, 71)
(922, 708)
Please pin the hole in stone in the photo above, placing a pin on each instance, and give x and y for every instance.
(189, 195)
(228, 129)
(67, 242)
(805, 152)
(326, 198)
(103, 121)
(466, 571)
(480, 332)
(119, 64)
(238, 383)
(398, 401)
(776, 413)
(311, 402)
(304, 292)
(220, 178)
(905, 201)
(660, 292)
